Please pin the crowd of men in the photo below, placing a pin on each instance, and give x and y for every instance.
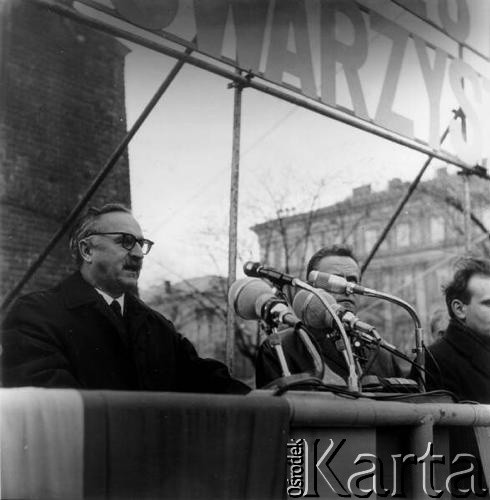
(91, 331)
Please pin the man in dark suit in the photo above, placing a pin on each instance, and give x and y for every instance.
(338, 260)
(92, 332)
(459, 361)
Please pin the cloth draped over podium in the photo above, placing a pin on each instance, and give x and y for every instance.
(69, 444)
(112, 445)
(41, 440)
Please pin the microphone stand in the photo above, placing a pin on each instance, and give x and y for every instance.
(275, 340)
(312, 351)
(256, 270)
(271, 329)
(419, 333)
(352, 379)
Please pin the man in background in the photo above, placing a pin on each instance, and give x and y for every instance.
(338, 260)
(92, 332)
(438, 323)
(459, 361)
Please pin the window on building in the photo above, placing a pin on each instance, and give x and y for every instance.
(264, 253)
(334, 236)
(402, 235)
(278, 255)
(386, 245)
(437, 229)
(349, 240)
(416, 234)
(404, 285)
(370, 239)
(321, 239)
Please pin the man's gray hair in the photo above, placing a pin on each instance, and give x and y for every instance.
(87, 224)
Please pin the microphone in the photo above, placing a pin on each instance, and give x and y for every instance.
(254, 299)
(313, 313)
(310, 310)
(335, 284)
(256, 270)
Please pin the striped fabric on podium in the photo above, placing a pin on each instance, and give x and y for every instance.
(112, 445)
(41, 439)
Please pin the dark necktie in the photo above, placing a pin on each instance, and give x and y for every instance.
(116, 309)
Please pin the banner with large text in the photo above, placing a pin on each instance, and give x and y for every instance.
(401, 65)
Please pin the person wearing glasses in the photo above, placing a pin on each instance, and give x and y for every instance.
(91, 331)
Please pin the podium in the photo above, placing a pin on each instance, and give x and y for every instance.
(70, 444)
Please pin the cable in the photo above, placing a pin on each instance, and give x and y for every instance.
(401, 397)
(314, 383)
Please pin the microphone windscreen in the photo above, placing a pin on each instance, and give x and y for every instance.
(326, 281)
(243, 295)
(311, 311)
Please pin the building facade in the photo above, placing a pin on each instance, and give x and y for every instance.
(198, 307)
(414, 261)
(62, 107)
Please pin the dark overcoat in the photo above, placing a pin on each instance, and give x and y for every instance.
(69, 337)
(460, 362)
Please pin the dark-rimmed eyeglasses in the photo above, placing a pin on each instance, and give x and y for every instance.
(128, 241)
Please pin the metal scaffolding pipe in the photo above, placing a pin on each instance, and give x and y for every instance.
(467, 211)
(232, 238)
(403, 202)
(326, 410)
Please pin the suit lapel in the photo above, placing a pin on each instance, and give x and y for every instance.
(77, 293)
(135, 313)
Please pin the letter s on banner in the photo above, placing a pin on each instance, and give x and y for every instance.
(469, 150)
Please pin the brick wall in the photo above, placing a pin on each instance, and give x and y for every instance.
(62, 114)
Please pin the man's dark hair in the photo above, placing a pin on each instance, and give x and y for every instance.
(457, 288)
(87, 224)
(340, 250)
